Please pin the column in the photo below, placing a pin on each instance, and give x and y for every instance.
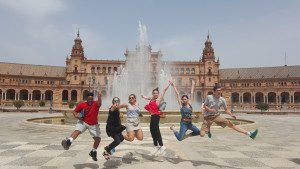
(18, 96)
(69, 95)
(291, 99)
(15, 95)
(239, 99)
(41, 96)
(4, 95)
(28, 96)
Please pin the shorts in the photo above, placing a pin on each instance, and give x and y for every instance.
(219, 120)
(93, 129)
(132, 124)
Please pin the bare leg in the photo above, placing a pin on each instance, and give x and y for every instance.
(96, 142)
(75, 134)
(130, 136)
(139, 134)
(236, 128)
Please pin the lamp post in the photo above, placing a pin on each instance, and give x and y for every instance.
(51, 104)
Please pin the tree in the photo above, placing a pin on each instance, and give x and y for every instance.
(71, 104)
(42, 103)
(262, 106)
(18, 104)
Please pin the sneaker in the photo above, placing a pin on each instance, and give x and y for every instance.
(66, 143)
(93, 154)
(209, 134)
(172, 127)
(161, 151)
(106, 155)
(155, 150)
(112, 151)
(253, 134)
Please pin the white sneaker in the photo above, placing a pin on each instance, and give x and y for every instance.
(161, 151)
(172, 127)
(155, 150)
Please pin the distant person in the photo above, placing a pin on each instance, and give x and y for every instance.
(186, 111)
(87, 115)
(153, 108)
(211, 114)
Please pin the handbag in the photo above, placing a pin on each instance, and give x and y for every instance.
(162, 106)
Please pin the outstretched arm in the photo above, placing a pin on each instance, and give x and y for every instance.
(163, 94)
(146, 98)
(177, 94)
(192, 92)
(123, 105)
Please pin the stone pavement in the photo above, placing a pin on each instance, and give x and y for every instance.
(38, 146)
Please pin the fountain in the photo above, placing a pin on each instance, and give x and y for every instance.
(137, 77)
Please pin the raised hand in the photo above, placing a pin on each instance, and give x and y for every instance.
(193, 82)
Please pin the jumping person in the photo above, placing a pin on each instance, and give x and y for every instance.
(186, 111)
(133, 127)
(87, 115)
(114, 127)
(211, 114)
(152, 107)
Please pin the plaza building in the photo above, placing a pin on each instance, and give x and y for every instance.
(243, 88)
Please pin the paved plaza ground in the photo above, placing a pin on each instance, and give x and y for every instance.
(23, 145)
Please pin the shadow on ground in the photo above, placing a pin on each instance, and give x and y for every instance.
(142, 156)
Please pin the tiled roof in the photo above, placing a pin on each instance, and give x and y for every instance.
(261, 72)
(31, 70)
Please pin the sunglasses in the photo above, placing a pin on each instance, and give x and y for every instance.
(116, 100)
(131, 98)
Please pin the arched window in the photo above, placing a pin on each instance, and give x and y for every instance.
(93, 69)
(193, 71)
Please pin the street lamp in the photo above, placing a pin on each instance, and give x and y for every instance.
(51, 104)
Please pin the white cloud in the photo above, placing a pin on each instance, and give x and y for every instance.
(34, 9)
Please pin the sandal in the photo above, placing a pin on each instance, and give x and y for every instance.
(106, 155)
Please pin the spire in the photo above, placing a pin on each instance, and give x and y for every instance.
(208, 51)
(208, 36)
(78, 36)
(77, 49)
(78, 33)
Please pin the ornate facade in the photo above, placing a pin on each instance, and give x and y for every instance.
(243, 87)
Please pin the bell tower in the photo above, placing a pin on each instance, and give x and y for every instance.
(77, 49)
(76, 63)
(209, 67)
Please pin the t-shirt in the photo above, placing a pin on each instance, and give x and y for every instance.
(90, 112)
(214, 103)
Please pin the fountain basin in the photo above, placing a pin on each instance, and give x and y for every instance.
(171, 118)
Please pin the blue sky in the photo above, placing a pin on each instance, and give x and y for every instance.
(244, 33)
